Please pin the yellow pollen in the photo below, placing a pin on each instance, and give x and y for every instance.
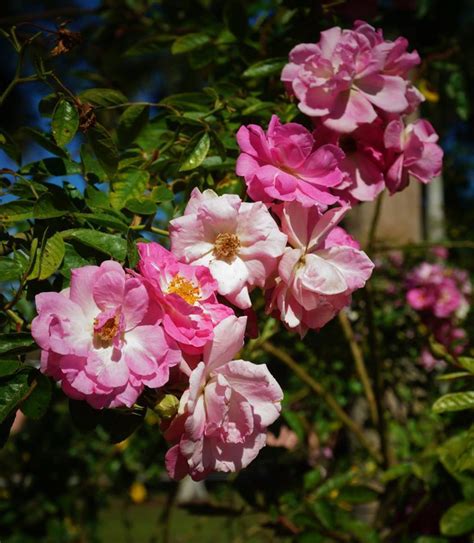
(184, 288)
(226, 246)
(108, 330)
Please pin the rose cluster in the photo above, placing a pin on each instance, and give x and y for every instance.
(440, 295)
(171, 324)
(354, 86)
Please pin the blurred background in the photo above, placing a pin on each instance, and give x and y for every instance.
(59, 484)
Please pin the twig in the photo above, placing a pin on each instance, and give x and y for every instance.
(374, 224)
(360, 365)
(324, 394)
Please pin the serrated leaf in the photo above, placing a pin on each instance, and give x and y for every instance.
(131, 123)
(196, 154)
(129, 184)
(265, 68)
(49, 259)
(12, 390)
(458, 519)
(104, 149)
(65, 122)
(162, 194)
(141, 207)
(103, 97)
(103, 220)
(37, 402)
(15, 211)
(189, 42)
(45, 141)
(9, 269)
(16, 343)
(110, 244)
(456, 401)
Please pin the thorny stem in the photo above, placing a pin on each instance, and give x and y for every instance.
(325, 395)
(360, 365)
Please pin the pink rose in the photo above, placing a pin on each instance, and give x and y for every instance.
(412, 151)
(185, 297)
(239, 242)
(223, 416)
(287, 164)
(320, 270)
(99, 338)
(349, 75)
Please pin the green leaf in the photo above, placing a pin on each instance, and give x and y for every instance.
(50, 207)
(16, 343)
(9, 269)
(37, 402)
(429, 539)
(110, 244)
(10, 147)
(194, 101)
(51, 167)
(467, 363)
(49, 259)
(83, 416)
(104, 149)
(15, 211)
(104, 219)
(132, 252)
(131, 123)
(96, 198)
(65, 122)
(458, 519)
(103, 97)
(162, 194)
(8, 366)
(47, 104)
(295, 423)
(189, 42)
(12, 390)
(121, 423)
(128, 184)
(457, 401)
(72, 259)
(197, 154)
(91, 168)
(45, 141)
(141, 207)
(357, 494)
(264, 68)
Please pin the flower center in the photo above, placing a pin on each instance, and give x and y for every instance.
(108, 329)
(184, 288)
(226, 246)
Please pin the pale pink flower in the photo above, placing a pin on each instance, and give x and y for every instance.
(413, 151)
(238, 241)
(184, 296)
(349, 75)
(287, 164)
(321, 269)
(223, 416)
(286, 438)
(100, 339)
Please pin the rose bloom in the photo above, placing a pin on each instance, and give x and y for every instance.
(223, 415)
(100, 339)
(239, 242)
(321, 269)
(412, 151)
(287, 164)
(184, 296)
(349, 75)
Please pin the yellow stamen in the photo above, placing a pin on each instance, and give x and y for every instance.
(226, 246)
(108, 330)
(184, 288)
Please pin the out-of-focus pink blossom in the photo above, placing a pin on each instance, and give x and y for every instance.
(412, 151)
(286, 438)
(350, 75)
(223, 415)
(184, 296)
(100, 338)
(238, 241)
(429, 362)
(287, 164)
(321, 269)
